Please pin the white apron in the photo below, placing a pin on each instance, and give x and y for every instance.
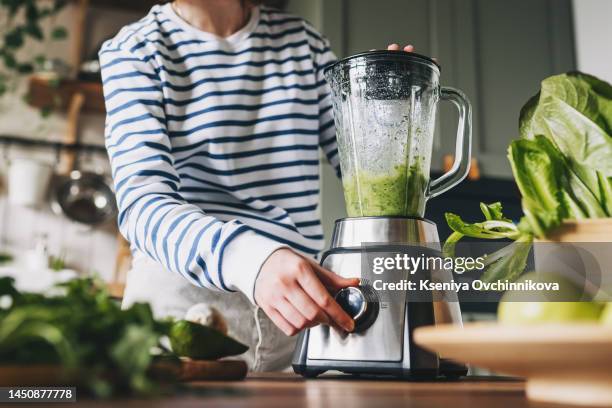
(170, 295)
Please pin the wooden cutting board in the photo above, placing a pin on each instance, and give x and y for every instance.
(190, 370)
(220, 370)
(36, 375)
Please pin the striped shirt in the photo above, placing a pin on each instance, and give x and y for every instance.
(214, 142)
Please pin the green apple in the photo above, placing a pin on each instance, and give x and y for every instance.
(606, 316)
(548, 312)
(530, 311)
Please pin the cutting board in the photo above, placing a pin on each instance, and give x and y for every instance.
(189, 370)
(36, 375)
(219, 370)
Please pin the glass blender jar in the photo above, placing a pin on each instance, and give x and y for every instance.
(384, 106)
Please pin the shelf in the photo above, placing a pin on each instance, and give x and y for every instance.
(131, 5)
(45, 94)
(28, 142)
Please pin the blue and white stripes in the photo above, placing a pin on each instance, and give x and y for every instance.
(214, 142)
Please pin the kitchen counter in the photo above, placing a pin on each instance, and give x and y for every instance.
(288, 390)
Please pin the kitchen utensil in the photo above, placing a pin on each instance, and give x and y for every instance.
(84, 197)
(568, 364)
(384, 106)
(28, 180)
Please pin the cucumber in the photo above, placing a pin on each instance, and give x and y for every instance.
(193, 340)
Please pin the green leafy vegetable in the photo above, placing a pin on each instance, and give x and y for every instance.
(82, 329)
(495, 226)
(562, 165)
(506, 263)
(574, 112)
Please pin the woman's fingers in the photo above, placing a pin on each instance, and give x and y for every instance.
(396, 47)
(407, 48)
(317, 292)
(307, 307)
(292, 315)
(280, 322)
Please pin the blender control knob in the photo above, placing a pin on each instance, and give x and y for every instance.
(361, 303)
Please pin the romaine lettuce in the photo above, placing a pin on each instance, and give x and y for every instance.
(562, 165)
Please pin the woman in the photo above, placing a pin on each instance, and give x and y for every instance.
(216, 110)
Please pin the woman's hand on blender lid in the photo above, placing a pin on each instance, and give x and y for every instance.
(295, 293)
(407, 48)
(396, 47)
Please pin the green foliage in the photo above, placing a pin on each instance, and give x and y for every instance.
(573, 112)
(23, 21)
(562, 165)
(59, 33)
(57, 263)
(84, 329)
(505, 264)
(5, 258)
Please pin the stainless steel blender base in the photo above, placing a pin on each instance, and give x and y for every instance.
(386, 346)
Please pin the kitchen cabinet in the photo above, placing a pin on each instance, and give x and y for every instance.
(496, 51)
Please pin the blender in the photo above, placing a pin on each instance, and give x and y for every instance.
(384, 105)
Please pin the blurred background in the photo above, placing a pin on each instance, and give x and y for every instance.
(52, 111)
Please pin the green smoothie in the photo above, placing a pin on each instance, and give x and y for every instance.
(399, 193)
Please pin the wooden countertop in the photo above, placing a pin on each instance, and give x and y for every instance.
(272, 390)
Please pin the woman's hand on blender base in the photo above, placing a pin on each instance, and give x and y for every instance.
(295, 293)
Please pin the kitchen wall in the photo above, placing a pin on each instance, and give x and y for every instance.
(593, 33)
(85, 249)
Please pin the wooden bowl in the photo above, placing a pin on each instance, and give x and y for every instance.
(570, 364)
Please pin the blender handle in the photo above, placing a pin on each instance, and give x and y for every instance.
(463, 147)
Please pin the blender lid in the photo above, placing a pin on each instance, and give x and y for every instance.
(400, 54)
